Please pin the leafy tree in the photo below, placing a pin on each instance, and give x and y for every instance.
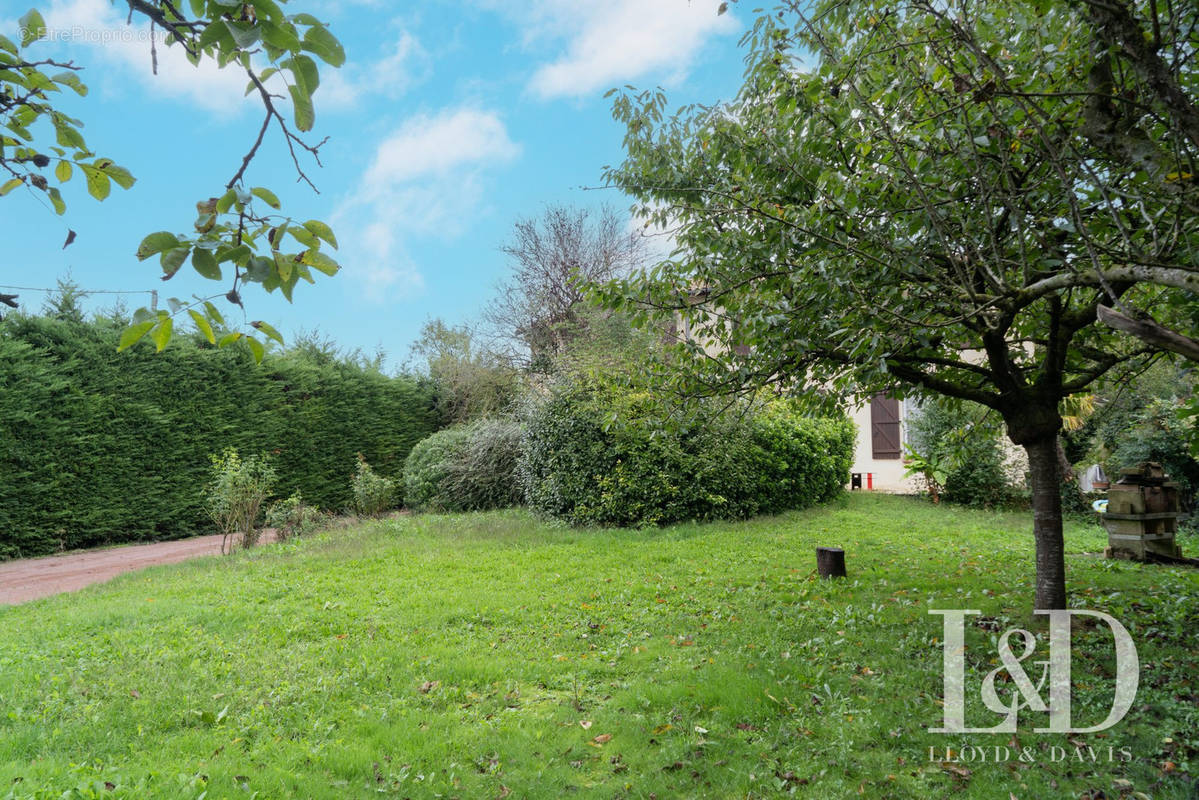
(471, 381)
(940, 204)
(238, 236)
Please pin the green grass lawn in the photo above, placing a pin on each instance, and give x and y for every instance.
(488, 655)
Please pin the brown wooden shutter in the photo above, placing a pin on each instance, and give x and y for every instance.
(884, 427)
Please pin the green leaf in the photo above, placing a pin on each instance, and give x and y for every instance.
(205, 263)
(216, 34)
(119, 175)
(98, 185)
(281, 35)
(318, 40)
(32, 26)
(172, 260)
(133, 333)
(303, 236)
(258, 270)
(318, 260)
(229, 339)
(269, 330)
(10, 184)
(226, 201)
(66, 134)
(321, 230)
(7, 46)
(302, 106)
(267, 10)
(64, 171)
(239, 255)
(245, 34)
(289, 285)
(213, 314)
(304, 72)
(72, 80)
(60, 206)
(162, 333)
(156, 243)
(285, 265)
(202, 325)
(256, 348)
(267, 196)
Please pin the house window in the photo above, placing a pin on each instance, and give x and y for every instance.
(884, 427)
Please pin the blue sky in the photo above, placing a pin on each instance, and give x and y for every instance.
(449, 121)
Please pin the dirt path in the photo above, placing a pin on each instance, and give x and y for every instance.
(31, 578)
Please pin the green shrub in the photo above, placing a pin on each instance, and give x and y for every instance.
(235, 495)
(468, 467)
(1157, 433)
(373, 494)
(597, 455)
(1141, 421)
(293, 517)
(967, 443)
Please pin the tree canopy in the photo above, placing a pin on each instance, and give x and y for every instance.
(240, 236)
(929, 198)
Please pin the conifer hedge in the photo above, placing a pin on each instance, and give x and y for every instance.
(99, 447)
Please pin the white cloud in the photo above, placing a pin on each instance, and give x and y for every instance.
(403, 64)
(435, 145)
(427, 178)
(620, 40)
(99, 26)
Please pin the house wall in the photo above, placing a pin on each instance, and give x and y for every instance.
(887, 473)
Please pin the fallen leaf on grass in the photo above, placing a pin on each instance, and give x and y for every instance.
(429, 686)
(960, 772)
(602, 738)
(663, 728)
(585, 723)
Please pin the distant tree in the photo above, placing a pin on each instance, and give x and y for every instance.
(538, 308)
(939, 202)
(237, 236)
(471, 381)
(65, 302)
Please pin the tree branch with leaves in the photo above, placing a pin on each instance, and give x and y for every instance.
(240, 236)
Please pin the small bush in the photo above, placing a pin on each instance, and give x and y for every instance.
(598, 455)
(373, 494)
(235, 495)
(465, 468)
(966, 442)
(294, 517)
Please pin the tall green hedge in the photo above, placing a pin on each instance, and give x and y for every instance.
(599, 455)
(98, 447)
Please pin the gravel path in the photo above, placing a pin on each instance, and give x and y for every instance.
(31, 578)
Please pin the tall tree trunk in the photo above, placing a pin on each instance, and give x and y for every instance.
(1045, 479)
